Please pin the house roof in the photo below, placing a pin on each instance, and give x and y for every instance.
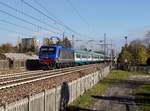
(19, 56)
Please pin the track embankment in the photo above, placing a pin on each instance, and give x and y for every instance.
(16, 87)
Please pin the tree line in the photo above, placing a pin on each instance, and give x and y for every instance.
(9, 48)
(64, 42)
(137, 52)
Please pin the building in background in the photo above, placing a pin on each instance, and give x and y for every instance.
(28, 44)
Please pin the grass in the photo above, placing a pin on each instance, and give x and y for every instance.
(143, 89)
(85, 101)
(144, 92)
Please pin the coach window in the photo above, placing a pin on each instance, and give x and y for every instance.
(84, 56)
(77, 55)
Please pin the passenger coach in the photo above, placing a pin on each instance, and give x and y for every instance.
(84, 57)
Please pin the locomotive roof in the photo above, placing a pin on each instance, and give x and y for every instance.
(19, 56)
(55, 45)
(52, 45)
(79, 51)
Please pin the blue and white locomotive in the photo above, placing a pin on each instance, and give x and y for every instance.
(56, 56)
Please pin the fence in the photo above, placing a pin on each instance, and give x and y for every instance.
(53, 99)
(145, 69)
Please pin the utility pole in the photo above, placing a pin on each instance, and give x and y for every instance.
(126, 42)
(104, 46)
(19, 44)
(73, 42)
(111, 52)
(63, 35)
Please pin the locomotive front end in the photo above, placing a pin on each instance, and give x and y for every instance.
(48, 55)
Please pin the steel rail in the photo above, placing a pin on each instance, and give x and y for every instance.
(25, 81)
(5, 76)
(30, 76)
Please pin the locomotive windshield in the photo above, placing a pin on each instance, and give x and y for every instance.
(48, 50)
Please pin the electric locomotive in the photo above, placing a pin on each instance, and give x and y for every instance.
(56, 56)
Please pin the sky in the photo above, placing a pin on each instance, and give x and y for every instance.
(89, 18)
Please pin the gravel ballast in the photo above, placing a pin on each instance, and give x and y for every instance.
(15, 93)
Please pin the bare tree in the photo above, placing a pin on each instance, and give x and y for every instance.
(83, 47)
(65, 42)
(5, 48)
(47, 41)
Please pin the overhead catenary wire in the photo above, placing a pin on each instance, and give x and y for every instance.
(23, 27)
(12, 31)
(38, 10)
(14, 24)
(26, 21)
(53, 19)
(50, 13)
(77, 12)
(80, 16)
(34, 18)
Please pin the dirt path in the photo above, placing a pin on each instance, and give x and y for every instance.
(120, 96)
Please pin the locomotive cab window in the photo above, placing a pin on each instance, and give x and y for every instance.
(48, 50)
(44, 50)
(52, 50)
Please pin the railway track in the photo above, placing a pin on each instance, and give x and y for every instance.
(6, 76)
(32, 76)
(15, 74)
